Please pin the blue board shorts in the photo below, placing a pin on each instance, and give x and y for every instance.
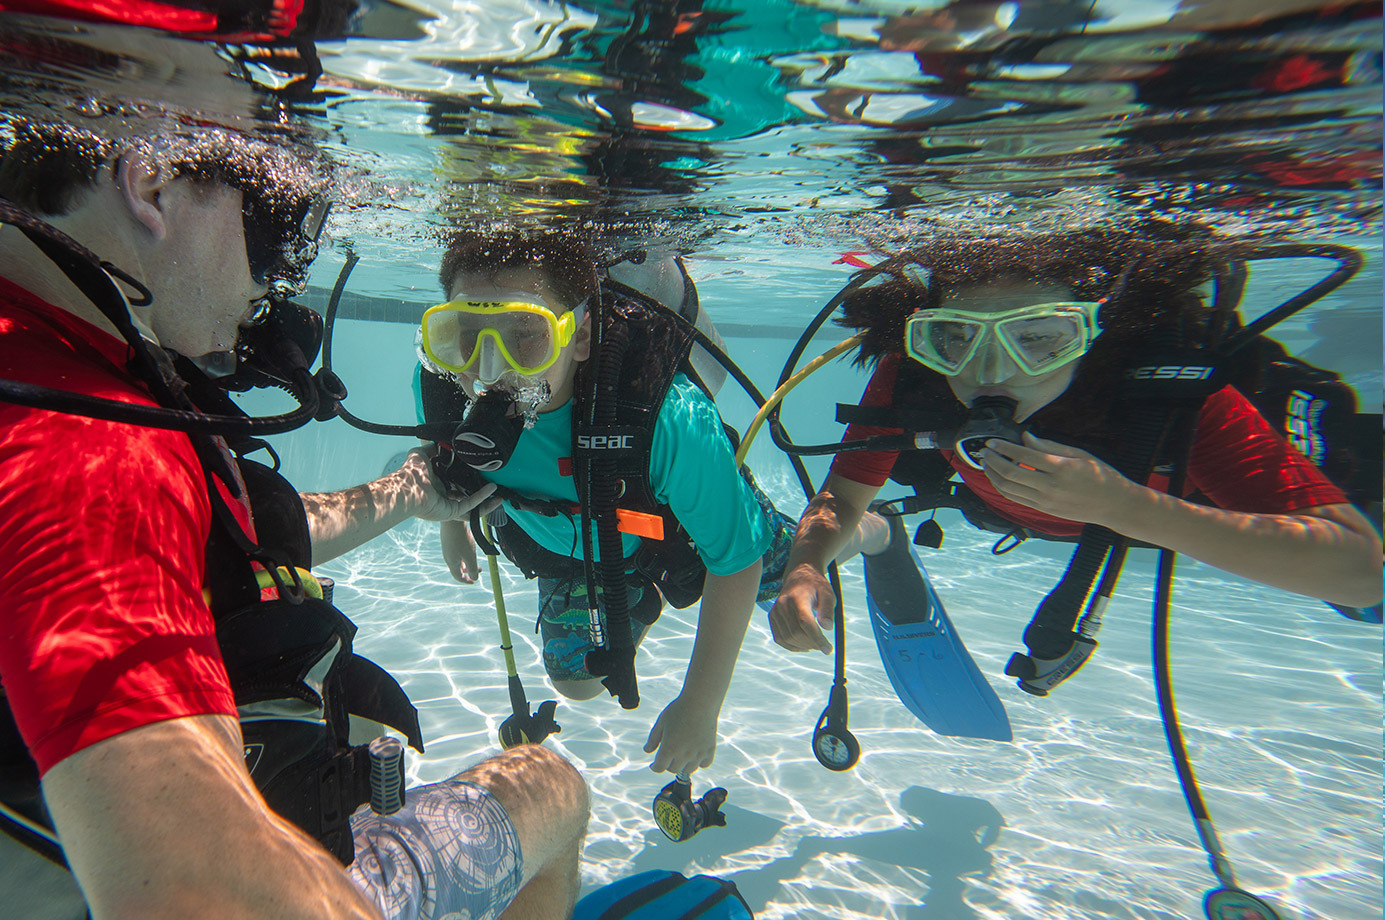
(450, 852)
(565, 609)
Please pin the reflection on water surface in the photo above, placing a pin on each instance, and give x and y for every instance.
(765, 139)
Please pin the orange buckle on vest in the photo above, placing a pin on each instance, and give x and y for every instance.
(639, 524)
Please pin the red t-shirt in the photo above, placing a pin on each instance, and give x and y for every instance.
(103, 529)
(1238, 461)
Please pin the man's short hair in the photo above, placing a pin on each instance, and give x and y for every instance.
(47, 167)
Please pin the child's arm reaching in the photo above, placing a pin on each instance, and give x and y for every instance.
(685, 734)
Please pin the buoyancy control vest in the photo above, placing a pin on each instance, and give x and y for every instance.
(656, 349)
(289, 660)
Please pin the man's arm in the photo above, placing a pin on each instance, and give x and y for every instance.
(826, 531)
(341, 521)
(163, 821)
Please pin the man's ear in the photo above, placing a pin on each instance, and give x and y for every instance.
(141, 185)
(582, 341)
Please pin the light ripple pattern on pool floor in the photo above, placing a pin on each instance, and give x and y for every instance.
(1081, 817)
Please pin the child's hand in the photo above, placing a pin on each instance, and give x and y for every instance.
(1059, 480)
(459, 551)
(685, 736)
(806, 606)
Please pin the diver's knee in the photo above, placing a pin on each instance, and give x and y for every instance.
(531, 777)
(545, 798)
(542, 792)
(579, 689)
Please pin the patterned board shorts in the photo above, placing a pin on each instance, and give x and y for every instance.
(565, 609)
(451, 852)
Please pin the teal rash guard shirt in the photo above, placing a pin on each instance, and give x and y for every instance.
(692, 469)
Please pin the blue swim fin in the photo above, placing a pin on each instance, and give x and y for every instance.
(1360, 614)
(931, 670)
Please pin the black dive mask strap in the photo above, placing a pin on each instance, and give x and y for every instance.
(93, 278)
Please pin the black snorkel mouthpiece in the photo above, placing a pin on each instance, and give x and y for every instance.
(989, 417)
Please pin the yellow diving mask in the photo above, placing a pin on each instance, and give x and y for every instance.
(528, 336)
(1039, 337)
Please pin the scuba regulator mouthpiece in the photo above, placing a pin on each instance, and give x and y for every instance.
(989, 417)
(679, 817)
(523, 727)
(481, 443)
(278, 350)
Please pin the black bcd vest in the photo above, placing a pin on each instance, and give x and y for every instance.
(656, 348)
(1310, 406)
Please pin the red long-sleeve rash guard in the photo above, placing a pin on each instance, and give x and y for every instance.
(1237, 460)
(103, 531)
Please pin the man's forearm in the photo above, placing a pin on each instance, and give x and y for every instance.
(338, 522)
(162, 823)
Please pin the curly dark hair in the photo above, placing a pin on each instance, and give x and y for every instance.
(565, 261)
(1146, 278)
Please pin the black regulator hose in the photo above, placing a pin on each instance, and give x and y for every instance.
(776, 428)
(1348, 260)
(1247, 905)
(615, 659)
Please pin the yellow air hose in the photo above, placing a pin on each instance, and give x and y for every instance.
(778, 395)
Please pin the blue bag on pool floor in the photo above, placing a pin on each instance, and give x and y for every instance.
(662, 895)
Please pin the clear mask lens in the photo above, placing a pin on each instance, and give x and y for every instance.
(1041, 342)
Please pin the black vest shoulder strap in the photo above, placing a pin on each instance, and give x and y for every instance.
(655, 352)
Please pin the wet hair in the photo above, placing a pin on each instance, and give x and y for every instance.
(566, 263)
(46, 168)
(1147, 278)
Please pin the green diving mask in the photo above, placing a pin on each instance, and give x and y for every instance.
(1039, 337)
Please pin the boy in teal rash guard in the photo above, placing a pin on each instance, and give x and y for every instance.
(517, 320)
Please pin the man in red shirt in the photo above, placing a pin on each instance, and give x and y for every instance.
(1017, 320)
(108, 650)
